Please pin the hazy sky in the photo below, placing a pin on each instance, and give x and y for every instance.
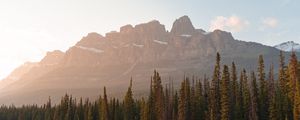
(30, 28)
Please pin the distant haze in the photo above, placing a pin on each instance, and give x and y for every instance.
(28, 29)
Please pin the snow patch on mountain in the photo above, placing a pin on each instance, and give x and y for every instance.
(288, 46)
(160, 42)
(137, 45)
(90, 49)
(185, 35)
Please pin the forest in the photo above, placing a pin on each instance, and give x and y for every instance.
(227, 95)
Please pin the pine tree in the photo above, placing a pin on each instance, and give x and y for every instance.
(254, 96)
(246, 95)
(158, 96)
(199, 101)
(150, 103)
(225, 105)
(263, 104)
(283, 88)
(271, 97)
(184, 101)
(129, 104)
(206, 91)
(176, 106)
(234, 92)
(144, 110)
(294, 92)
(90, 113)
(215, 91)
(104, 107)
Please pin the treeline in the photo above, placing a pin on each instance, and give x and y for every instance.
(228, 95)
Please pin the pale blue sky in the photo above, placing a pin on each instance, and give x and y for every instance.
(29, 28)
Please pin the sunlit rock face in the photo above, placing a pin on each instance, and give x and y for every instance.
(134, 51)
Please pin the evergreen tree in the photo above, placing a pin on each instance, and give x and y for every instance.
(129, 104)
(294, 92)
(199, 102)
(254, 96)
(215, 91)
(184, 101)
(144, 110)
(225, 103)
(176, 106)
(158, 97)
(271, 97)
(234, 111)
(283, 88)
(104, 107)
(263, 101)
(150, 104)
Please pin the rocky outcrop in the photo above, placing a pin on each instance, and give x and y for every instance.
(182, 27)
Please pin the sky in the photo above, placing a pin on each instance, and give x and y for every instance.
(30, 28)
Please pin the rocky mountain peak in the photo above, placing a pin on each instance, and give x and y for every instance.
(92, 39)
(126, 29)
(288, 46)
(151, 26)
(182, 25)
(53, 57)
(219, 34)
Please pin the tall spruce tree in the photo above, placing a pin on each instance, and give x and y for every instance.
(150, 103)
(254, 96)
(215, 90)
(129, 104)
(184, 105)
(246, 96)
(294, 92)
(104, 105)
(225, 99)
(271, 95)
(144, 110)
(234, 92)
(283, 88)
(158, 96)
(263, 101)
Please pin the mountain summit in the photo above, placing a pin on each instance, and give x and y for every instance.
(183, 26)
(288, 46)
(135, 51)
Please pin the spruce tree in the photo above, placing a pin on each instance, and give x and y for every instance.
(234, 92)
(254, 96)
(104, 107)
(144, 110)
(283, 88)
(263, 101)
(129, 104)
(158, 96)
(215, 91)
(271, 96)
(184, 101)
(294, 92)
(225, 103)
(150, 103)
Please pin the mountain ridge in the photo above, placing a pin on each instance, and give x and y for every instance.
(288, 46)
(135, 51)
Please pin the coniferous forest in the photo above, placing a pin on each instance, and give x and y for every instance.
(228, 95)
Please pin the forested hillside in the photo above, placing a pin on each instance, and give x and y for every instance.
(227, 95)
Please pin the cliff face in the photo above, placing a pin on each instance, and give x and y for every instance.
(135, 51)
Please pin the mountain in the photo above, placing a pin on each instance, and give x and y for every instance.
(288, 46)
(133, 51)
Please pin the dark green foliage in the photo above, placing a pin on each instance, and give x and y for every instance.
(263, 100)
(225, 100)
(129, 104)
(223, 97)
